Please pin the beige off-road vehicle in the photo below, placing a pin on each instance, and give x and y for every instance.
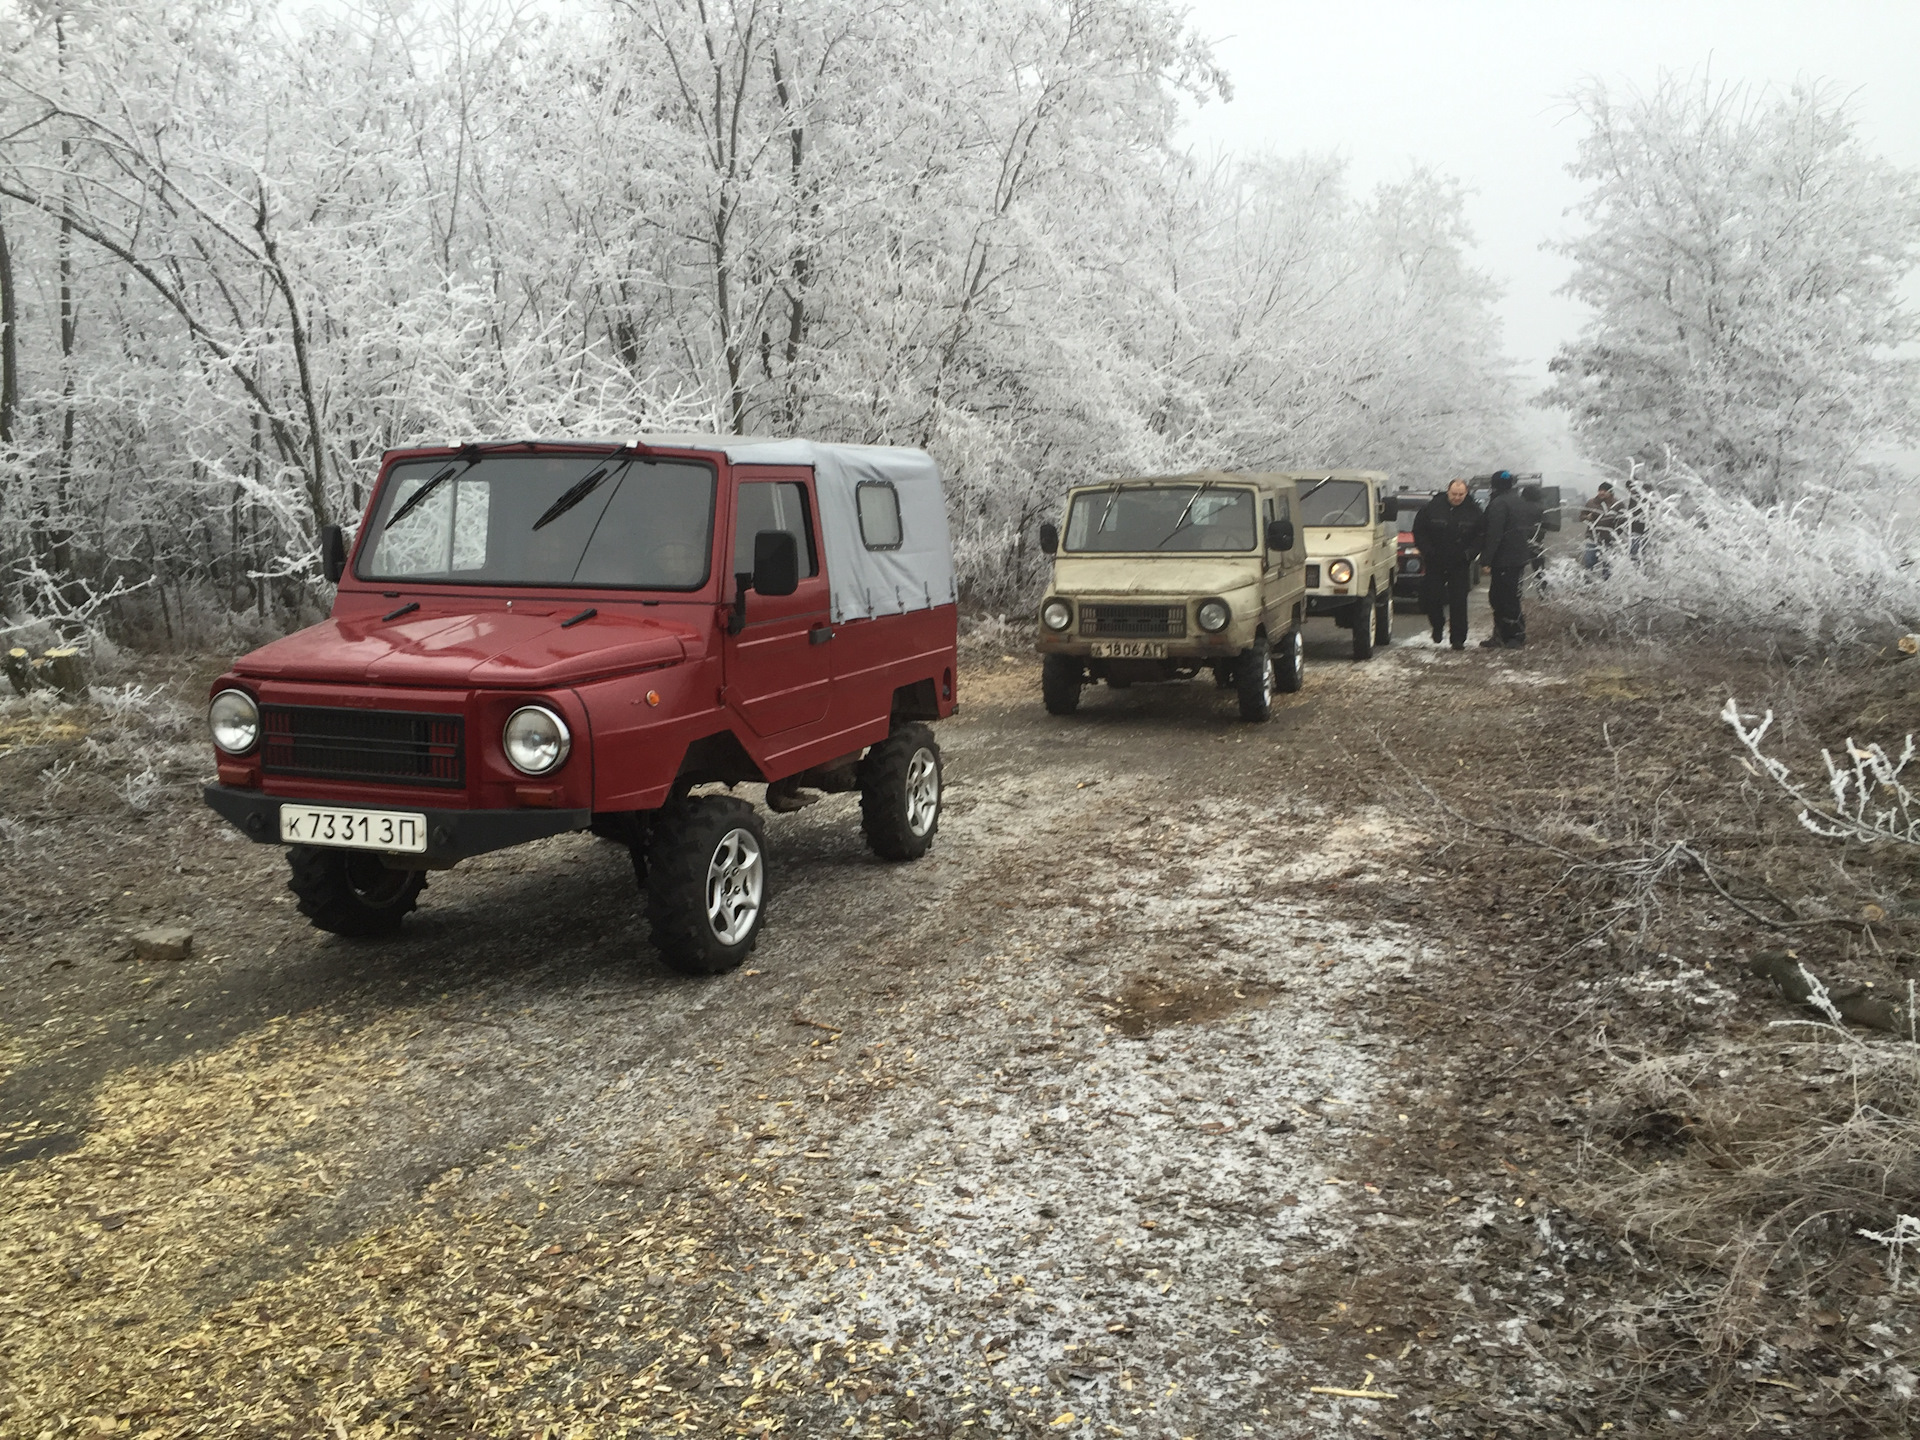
(1159, 579)
(1351, 525)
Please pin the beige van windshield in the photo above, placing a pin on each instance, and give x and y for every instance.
(1173, 518)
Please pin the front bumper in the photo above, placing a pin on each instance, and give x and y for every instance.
(1333, 604)
(1200, 649)
(451, 834)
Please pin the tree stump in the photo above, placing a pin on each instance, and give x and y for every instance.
(20, 671)
(65, 671)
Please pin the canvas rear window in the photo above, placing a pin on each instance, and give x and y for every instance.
(879, 506)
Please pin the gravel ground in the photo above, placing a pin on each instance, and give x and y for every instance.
(1119, 1114)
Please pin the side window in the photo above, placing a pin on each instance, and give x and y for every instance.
(772, 505)
(879, 506)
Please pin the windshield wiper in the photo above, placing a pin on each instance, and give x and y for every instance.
(1186, 510)
(582, 488)
(418, 498)
(1101, 524)
(1313, 487)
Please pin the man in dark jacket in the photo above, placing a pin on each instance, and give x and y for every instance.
(1447, 533)
(1512, 525)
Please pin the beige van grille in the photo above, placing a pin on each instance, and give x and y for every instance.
(1133, 621)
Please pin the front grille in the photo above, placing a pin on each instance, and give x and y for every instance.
(394, 747)
(1313, 577)
(1133, 621)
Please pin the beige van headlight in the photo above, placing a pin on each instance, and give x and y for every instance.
(1340, 572)
(1056, 614)
(1213, 616)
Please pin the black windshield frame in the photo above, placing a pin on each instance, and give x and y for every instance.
(568, 467)
(1163, 512)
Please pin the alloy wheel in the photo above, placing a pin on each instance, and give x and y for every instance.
(736, 883)
(923, 791)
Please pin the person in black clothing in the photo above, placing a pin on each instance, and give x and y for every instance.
(1512, 525)
(1447, 531)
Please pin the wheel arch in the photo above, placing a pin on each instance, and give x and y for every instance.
(918, 700)
(719, 757)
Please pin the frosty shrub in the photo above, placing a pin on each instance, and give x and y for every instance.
(1830, 567)
(1869, 798)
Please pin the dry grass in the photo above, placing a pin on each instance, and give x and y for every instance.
(1743, 1164)
(157, 1281)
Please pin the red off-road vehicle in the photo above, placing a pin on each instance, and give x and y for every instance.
(544, 636)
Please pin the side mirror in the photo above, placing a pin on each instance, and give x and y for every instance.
(776, 563)
(1049, 538)
(1279, 534)
(333, 553)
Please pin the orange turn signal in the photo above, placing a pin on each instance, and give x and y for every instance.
(653, 697)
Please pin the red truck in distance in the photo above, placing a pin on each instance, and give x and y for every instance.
(537, 637)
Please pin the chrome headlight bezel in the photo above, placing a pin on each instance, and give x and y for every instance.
(1340, 572)
(1220, 607)
(542, 739)
(236, 715)
(1056, 614)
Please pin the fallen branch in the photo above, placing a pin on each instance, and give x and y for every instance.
(1847, 1001)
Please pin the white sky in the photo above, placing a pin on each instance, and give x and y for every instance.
(1476, 89)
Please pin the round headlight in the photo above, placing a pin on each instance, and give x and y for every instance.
(1214, 615)
(1056, 614)
(536, 740)
(235, 721)
(1340, 572)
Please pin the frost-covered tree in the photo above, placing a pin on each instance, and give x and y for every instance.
(1743, 255)
(254, 244)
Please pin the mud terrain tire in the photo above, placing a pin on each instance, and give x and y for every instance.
(706, 881)
(1362, 625)
(1060, 683)
(349, 892)
(1253, 679)
(1383, 620)
(901, 790)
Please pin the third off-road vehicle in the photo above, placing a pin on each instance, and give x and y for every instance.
(1350, 525)
(1159, 579)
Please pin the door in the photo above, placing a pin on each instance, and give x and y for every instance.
(778, 672)
(1281, 569)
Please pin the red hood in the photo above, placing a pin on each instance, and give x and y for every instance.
(519, 649)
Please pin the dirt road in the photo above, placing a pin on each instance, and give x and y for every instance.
(1094, 1122)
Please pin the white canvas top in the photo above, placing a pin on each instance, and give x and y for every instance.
(917, 574)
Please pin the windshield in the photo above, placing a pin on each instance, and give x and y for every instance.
(1160, 517)
(645, 524)
(1333, 502)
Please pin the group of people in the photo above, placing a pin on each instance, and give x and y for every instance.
(1452, 531)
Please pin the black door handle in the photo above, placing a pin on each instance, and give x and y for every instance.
(819, 634)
